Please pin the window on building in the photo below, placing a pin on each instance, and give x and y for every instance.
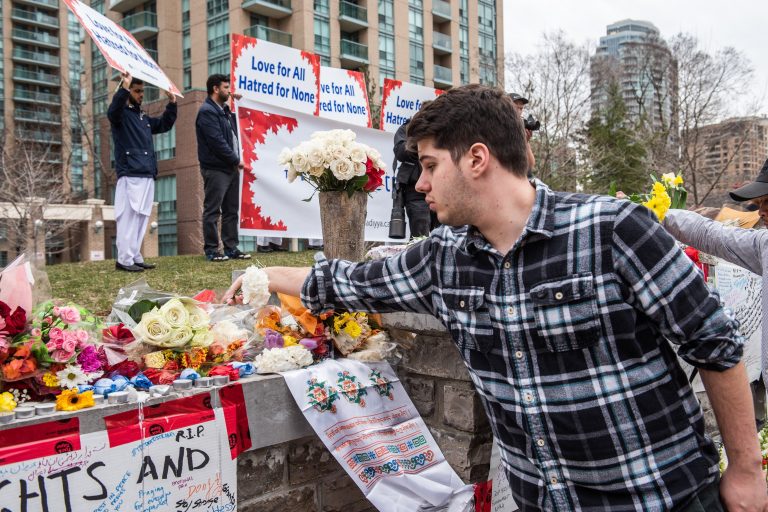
(217, 7)
(218, 38)
(386, 16)
(386, 51)
(416, 51)
(464, 70)
(416, 24)
(165, 145)
(322, 7)
(220, 65)
(322, 36)
(3, 259)
(165, 196)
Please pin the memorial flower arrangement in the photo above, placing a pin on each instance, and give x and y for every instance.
(175, 324)
(333, 161)
(666, 193)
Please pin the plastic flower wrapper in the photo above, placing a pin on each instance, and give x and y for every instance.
(349, 331)
(376, 347)
(666, 193)
(276, 360)
(225, 369)
(114, 340)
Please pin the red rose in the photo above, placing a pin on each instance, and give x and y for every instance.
(224, 369)
(374, 176)
(14, 322)
(119, 334)
(205, 296)
(171, 365)
(156, 376)
(125, 368)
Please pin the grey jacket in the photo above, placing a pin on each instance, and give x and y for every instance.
(746, 248)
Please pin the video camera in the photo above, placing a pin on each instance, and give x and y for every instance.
(397, 217)
(531, 123)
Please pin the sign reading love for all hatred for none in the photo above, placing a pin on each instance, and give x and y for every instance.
(120, 48)
(401, 100)
(343, 96)
(275, 74)
(365, 418)
(175, 456)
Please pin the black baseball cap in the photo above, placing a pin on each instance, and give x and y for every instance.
(753, 190)
(517, 97)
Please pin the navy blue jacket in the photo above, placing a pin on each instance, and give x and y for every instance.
(214, 138)
(132, 132)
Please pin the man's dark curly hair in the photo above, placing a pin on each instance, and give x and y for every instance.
(463, 116)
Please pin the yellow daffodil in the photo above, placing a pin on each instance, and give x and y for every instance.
(353, 329)
(7, 403)
(71, 400)
(678, 180)
(658, 188)
(668, 178)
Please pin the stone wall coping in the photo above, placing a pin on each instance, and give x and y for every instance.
(414, 322)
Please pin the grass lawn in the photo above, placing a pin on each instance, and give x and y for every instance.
(94, 285)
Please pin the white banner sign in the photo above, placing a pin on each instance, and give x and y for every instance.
(367, 421)
(275, 74)
(120, 48)
(343, 96)
(269, 204)
(179, 463)
(401, 100)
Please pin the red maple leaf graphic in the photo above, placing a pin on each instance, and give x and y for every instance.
(360, 79)
(389, 86)
(254, 126)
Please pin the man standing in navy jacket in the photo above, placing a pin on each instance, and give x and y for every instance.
(219, 156)
(136, 167)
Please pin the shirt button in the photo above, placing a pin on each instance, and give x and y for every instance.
(559, 295)
(461, 303)
(540, 442)
(511, 311)
(145, 152)
(529, 398)
(507, 264)
(553, 480)
(519, 354)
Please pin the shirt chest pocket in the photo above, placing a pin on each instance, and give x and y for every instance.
(469, 320)
(566, 313)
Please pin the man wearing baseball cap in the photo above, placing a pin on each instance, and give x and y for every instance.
(747, 248)
(520, 102)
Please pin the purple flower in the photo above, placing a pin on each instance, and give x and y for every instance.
(88, 359)
(308, 343)
(273, 339)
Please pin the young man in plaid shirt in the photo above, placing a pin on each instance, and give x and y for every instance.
(563, 307)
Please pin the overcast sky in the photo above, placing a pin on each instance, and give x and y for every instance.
(742, 24)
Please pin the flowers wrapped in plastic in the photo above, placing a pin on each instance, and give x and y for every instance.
(666, 193)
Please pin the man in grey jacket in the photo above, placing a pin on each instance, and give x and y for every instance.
(746, 248)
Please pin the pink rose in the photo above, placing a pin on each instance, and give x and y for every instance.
(68, 315)
(69, 345)
(36, 332)
(61, 356)
(4, 343)
(56, 334)
(53, 345)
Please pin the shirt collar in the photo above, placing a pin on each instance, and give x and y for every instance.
(541, 221)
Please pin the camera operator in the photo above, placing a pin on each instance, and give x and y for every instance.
(530, 123)
(420, 220)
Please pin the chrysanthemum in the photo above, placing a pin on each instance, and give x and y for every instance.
(72, 376)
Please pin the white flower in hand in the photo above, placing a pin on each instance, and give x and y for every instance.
(255, 287)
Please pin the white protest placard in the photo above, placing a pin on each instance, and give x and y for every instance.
(401, 100)
(185, 465)
(367, 421)
(275, 74)
(343, 96)
(269, 204)
(120, 48)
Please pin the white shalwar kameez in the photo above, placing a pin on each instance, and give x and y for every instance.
(133, 207)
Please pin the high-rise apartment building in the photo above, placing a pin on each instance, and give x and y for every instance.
(42, 108)
(633, 56)
(726, 155)
(436, 43)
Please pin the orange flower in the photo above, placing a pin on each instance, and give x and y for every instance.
(268, 318)
(12, 370)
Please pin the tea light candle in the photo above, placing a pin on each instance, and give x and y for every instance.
(118, 397)
(24, 411)
(7, 417)
(98, 399)
(182, 384)
(159, 390)
(203, 382)
(44, 409)
(220, 380)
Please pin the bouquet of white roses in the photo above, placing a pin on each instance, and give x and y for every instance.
(333, 161)
(174, 325)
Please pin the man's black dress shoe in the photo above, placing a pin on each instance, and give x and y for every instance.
(145, 265)
(128, 268)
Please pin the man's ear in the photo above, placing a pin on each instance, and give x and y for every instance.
(479, 159)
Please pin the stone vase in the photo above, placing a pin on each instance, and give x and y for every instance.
(343, 221)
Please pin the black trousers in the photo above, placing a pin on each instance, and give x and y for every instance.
(420, 219)
(221, 191)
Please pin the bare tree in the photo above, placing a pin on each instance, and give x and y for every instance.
(709, 86)
(556, 81)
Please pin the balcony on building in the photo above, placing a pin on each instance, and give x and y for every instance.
(53, 5)
(353, 55)
(142, 24)
(269, 34)
(39, 136)
(34, 18)
(39, 58)
(441, 11)
(443, 76)
(441, 43)
(36, 77)
(38, 38)
(123, 6)
(29, 96)
(352, 17)
(276, 9)
(29, 115)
